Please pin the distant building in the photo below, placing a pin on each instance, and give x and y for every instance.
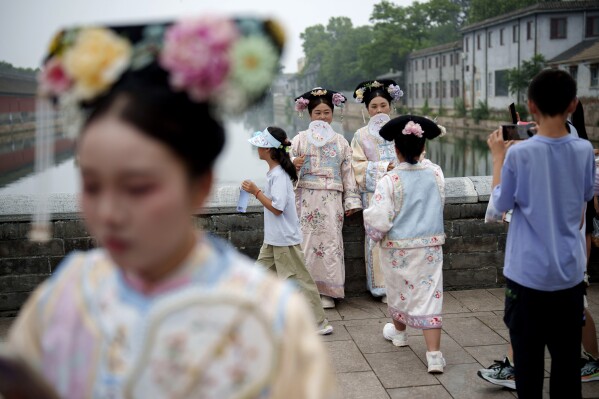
(434, 74)
(17, 96)
(565, 33)
(582, 62)
(494, 46)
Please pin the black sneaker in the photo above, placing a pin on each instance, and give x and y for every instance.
(499, 373)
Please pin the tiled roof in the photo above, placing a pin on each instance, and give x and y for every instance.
(437, 49)
(17, 84)
(555, 6)
(587, 50)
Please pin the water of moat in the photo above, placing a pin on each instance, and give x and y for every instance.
(460, 153)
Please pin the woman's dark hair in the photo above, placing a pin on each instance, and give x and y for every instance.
(316, 101)
(144, 99)
(280, 154)
(410, 146)
(371, 95)
(578, 121)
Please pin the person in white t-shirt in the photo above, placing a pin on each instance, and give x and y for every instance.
(282, 251)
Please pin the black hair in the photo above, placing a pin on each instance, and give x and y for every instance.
(316, 101)
(371, 95)
(552, 90)
(410, 146)
(280, 154)
(143, 98)
(578, 121)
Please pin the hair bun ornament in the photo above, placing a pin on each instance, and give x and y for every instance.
(365, 89)
(406, 125)
(300, 105)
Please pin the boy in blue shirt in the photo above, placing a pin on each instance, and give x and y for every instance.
(546, 180)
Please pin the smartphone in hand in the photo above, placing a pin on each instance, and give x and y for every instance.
(516, 132)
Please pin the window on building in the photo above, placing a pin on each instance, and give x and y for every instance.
(501, 37)
(594, 75)
(444, 89)
(415, 65)
(457, 88)
(501, 83)
(444, 60)
(451, 90)
(490, 84)
(410, 89)
(457, 58)
(450, 59)
(467, 68)
(529, 30)
(423, 65)
(593, 26)
(489, 39)
(478, 42)
(416, 90)
(430, 62)
(430, 90)
(437, 62)
(515, 33)
(558, 28)
(467, 44)
(573, 69)
(436, 89)
(477, 85)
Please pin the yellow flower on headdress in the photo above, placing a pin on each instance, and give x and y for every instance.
(96, 60)
(376, 84)
(320, 92)
(277, 32)
(359, 94)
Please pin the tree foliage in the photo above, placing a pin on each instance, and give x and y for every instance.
(518, 79)
(482, 9)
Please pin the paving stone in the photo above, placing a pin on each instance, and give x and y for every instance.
(332, 314)
(590, 389)
(400, 369)
(423, 392)
(452, 305)
(339, 334)
(452, 351)
(478, 300)
(358, 308)
(467, 314)
(369, 339)
(487, 354)
(346, 357)
(498, 292)
(471, 332)
(365, 322)
(361, 385)
(494, 322)
(461, 381)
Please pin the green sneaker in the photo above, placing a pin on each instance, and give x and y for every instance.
(499, 373)
(590, 369)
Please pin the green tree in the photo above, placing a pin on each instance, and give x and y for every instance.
(519, 78)
(483, 9)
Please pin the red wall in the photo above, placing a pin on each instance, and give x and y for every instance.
(10, 104)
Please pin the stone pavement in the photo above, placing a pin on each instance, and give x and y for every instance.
(473, 336)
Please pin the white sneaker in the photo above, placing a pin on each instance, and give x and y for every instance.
(435, 361)
(327, 302)
(399, 338)
(324, 328)
(384, 299)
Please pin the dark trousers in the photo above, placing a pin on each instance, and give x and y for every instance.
(545, 318)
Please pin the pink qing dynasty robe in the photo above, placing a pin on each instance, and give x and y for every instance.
(371, 156)
(218, 328)
(327, 188)
(406, 217)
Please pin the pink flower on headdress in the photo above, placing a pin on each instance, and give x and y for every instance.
(301, 104)
(196, 54)
(413, 128)
(338, 99)
(53, 79)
